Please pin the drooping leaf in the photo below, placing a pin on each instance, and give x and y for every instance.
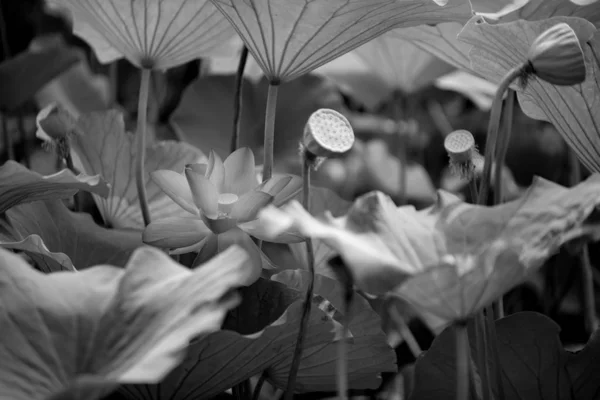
(368, 354)
(291, 38)
(534, 363)
(79, 335)
(497, 48)
(442, 40)
(103, 147)
(452, 258)
(20, 185)
(59, 239)
(218, 361)
(21, 76)
(150, 34)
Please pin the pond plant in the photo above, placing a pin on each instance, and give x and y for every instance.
(137, 266)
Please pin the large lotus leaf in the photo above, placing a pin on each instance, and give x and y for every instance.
(536, 10)
(21, 76)
(291, 38)
(78, 335)
(59, 239)
(259, 334)
(478, 90)
(368, 353)
(152, 33)
(20, 185)
(103, 147)
(571, 109)
(397, 63)
(534, 363)
(452, 258)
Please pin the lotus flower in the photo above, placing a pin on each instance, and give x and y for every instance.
(152, 34)
(223, 198)
(453, 258)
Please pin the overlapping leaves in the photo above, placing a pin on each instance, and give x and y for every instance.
(79, 335)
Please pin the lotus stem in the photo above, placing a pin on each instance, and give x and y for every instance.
(493, 129)
(7, 139)
(503, 143)
(259, 385)
(237, 100)
(588, 298)
(24, 137)
(405, 331)
(462, 361)
(307, 165)
(140, 173)
(270, 130)
(482, 359)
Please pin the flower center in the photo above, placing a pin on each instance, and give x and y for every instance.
(226, 202)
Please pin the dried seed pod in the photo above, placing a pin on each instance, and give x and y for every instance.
(556, 56)
(464, 157)
(327, 133)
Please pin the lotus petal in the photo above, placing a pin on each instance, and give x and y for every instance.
(204, 193)
(151, 34)
(80, 335)
(175, 232)
(246, 208)
(20, 185)
(291, 38)
(240, 173)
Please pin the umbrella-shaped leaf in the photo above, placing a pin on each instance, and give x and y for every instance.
(59, 239)
(78, 335)
(534, 363)
(291, 38)
(103, 147)
(220, 360)
(151, 34)
(20, 185)
(536, 10)
(369, 355)
(21, 77)
(571, 109)
(374, 70)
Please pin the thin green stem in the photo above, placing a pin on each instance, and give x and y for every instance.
(462, 361)
(342, 348)
(237, 100)
(493, 129)
(7, 139)
(140, 173)
(113, 75)
(24, 137)
(490, 326)
(405, 331)
(77, 206)
(307, 164)
(270, 130)
(259, 386)
(503, 143)
(482, 359)
(588, 298)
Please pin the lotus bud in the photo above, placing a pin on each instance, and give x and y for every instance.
(326, 134)
(54, 126)
(556, 57)
(464, 157)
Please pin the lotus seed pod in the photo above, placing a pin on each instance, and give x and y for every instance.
(327, 133)
(464, 157)
(556, 56)
(460, 146)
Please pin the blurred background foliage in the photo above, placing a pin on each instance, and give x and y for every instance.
(403, 134)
